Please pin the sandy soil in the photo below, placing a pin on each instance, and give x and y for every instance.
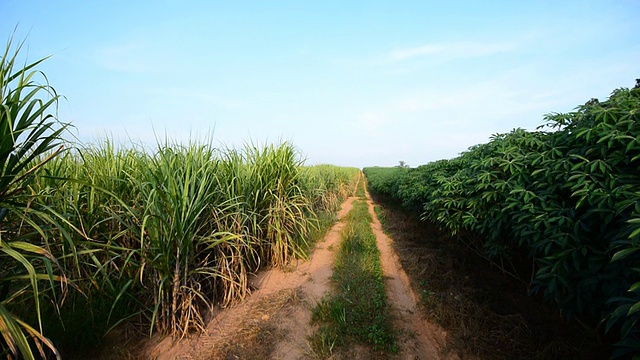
(276, 317)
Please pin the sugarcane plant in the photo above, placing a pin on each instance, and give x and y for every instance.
(30, 135)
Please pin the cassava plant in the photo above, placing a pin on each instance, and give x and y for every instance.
(567, 196)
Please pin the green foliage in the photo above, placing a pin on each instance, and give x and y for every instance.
(159, 237)
(28, 270)
(328, 185)
(384, 180)
(567, 195)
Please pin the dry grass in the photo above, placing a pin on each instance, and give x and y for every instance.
(255, 337)
(486, 313)
(258, 333)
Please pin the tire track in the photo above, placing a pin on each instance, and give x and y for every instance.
(419, 339)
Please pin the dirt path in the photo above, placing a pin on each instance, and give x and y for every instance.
(420, 339)
(275, 321)
(313, 280)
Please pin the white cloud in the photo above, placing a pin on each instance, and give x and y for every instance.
(452, 50)
(133, 56)
(428, 101)
(196, 97)
(440, 52)
(416, 51)
(370, 122)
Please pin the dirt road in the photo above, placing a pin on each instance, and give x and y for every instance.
(274, 322)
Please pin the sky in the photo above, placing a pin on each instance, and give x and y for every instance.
(350, 83)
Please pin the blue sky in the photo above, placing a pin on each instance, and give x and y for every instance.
(349, 83)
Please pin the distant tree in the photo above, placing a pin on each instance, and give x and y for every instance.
(402, 164)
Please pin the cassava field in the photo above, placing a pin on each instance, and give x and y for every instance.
(525, 247)
(557, 210)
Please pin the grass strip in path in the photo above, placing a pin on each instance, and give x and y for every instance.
(357, 311)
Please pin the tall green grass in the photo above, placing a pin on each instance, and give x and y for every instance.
(99, 235)
(157, 238)
(29, 135)
(328, 185)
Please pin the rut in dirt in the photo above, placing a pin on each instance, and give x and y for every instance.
(419, 339)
